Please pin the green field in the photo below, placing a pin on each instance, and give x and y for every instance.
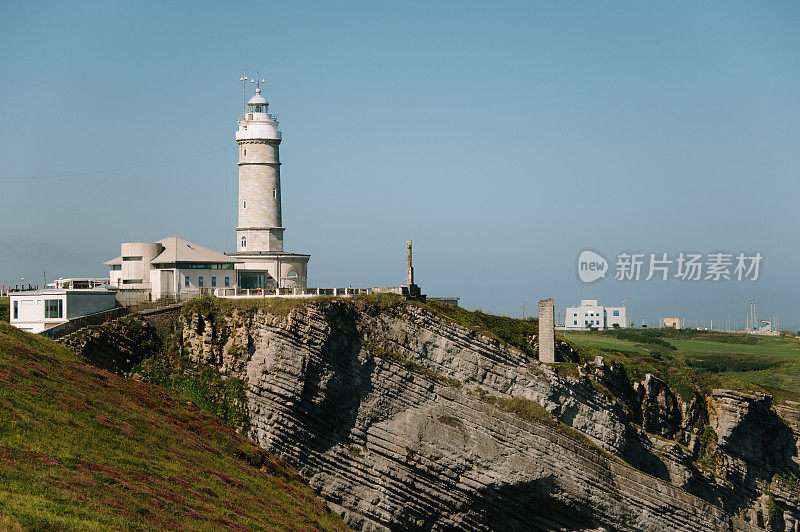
(769, 363)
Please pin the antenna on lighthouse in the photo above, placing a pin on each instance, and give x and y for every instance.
(243, 79)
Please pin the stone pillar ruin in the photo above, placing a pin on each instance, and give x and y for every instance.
(409, 267)
(547, 339)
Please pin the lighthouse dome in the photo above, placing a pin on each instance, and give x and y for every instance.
(258, 99)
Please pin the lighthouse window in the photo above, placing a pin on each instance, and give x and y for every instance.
(244, 204)
(245, 152)
(274, 192)
(244, 242)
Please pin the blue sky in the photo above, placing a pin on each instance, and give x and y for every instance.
(503, 138)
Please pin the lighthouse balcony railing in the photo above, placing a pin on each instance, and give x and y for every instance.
(259, 116)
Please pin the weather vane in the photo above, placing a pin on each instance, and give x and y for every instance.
(257, 81)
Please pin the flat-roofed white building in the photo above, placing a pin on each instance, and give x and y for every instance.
(591, 314)
(37, 310)
(171, 267)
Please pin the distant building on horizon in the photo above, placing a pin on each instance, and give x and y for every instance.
(674, 323)
(590, 314)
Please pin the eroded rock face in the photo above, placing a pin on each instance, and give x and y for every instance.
(748, 428)
(385, 412)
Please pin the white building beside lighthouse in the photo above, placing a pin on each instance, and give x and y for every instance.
(262, 261)
(177, 269)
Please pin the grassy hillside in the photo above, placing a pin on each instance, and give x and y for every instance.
(83, 449)
(740, 361)
(4, 309)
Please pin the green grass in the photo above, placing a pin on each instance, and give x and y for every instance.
(4, 309)
(81, 448)
(704, 359)
(514, 332)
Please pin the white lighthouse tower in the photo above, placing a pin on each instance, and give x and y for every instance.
(259, 233)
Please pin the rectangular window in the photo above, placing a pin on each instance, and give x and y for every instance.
(575, 322)
(53, 308)
(213, 281)
(227, 281)
(616, 313)
(116, 267)
(200, 281)
(186, 281)
(274, 192)
(131, 259)
(16, 310)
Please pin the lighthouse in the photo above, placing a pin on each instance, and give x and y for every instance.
(259, 232)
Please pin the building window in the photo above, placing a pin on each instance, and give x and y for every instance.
(213, 281)
(131, 259)
(200, 281)
(53, 308)
(616, 313)
(274, 193)
(186, 281)
(16, 310)
(244, 242)
(575, 322)
(116, 267)
(227, 281)
(245, 151)
(244, 204)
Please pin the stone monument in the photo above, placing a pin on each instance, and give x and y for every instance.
(409, 267)
(410, 289)
(547, 340)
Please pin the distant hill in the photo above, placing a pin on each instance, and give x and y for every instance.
(81, 448)
(28, 259)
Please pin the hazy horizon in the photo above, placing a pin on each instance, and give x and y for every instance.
(503, 140)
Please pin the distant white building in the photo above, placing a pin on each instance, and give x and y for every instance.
(591, 314)
(37, 310)
(171, 267)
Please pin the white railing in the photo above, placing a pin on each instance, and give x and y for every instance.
(237, 293)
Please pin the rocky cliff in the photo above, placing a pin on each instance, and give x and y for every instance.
(403, 419)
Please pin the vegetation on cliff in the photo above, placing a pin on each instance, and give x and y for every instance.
(692, 361)
(81, 448)
(221, 395)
